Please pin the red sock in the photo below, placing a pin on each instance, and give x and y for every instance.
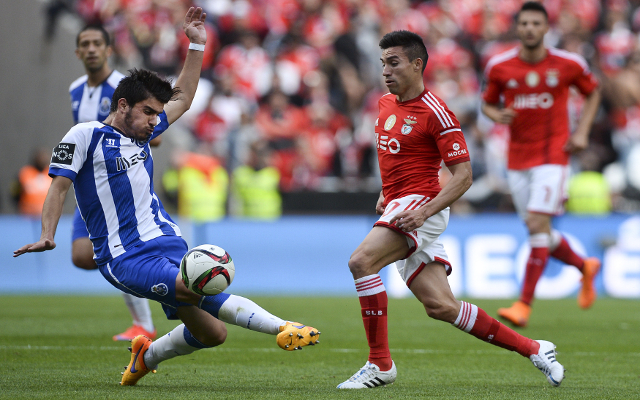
(535, 267)
(565, 253)
(373, 301)
(475, 321)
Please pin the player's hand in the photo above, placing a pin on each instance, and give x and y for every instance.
(408, 220)
(507, 115)
(379, 205)
(194, 25)
(576, 143)
(39, 246)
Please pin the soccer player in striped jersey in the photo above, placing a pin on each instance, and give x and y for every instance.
(534, 83)
(138, 247)
(91, 101)
(415, 132)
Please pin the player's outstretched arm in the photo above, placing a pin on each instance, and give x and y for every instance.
(459, 183)
(188, 79)
(51, 211)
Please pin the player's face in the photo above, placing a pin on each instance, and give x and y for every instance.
(531, 28)
(92, 50)
(141, 119)
(399, 73)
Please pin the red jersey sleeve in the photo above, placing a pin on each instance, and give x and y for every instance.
(584, 79)
(445, 128)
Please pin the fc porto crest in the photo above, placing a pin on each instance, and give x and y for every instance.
(408, 125)
(105, 105)
(160, 289)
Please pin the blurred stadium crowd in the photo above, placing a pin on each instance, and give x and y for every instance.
(294, 84)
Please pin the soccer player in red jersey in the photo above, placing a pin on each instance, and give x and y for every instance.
(415, 132)
(534, 83)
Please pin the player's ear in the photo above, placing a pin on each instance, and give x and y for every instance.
(109, 51)
(417, 64)
(122, 104)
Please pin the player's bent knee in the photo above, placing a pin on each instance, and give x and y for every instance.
(83, 262)
(358, 265)
(441, 311)
(215, 337)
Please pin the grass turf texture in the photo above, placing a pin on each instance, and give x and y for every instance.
(61, 347)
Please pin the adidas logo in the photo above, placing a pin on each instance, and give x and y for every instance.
(375, 382)
(512, 84)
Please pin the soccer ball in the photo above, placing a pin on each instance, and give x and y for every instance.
(207, 270)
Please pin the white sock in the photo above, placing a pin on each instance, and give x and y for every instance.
(140, 311)
(178, 342)
(245, 313)
(554, 240)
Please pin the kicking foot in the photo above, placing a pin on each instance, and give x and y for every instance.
(370, 376)
(517, 314)
(136, 368)
(546, 362)
(132, 332)
(588, 293)
(294, 336)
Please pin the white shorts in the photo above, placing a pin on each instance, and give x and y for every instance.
(424, 243)
(541, 189)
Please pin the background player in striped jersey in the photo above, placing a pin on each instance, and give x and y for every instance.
(415, 132)
(534, 82)
(138, 247)
(91, 101)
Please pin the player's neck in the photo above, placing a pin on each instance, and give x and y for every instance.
(533, 55)
(94, 78)
(411, 93)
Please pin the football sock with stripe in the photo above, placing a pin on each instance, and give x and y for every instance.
(535, 265)
(478, 323)
(373, 302)
(178, 342)
(561, 250)
(240, 311)
(140, 311)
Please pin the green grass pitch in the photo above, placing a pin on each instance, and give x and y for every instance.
(60, 347)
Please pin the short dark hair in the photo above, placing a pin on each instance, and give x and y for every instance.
(95, 27)
(141, 84)
(533, 6)
(411, 43)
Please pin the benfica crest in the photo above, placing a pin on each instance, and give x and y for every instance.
(407, 127)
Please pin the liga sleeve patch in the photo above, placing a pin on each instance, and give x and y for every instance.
(63, 153)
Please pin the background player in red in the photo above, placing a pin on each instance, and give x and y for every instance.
(534, 83)
(415, 132)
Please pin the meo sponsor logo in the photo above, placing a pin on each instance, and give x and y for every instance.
(533, 101)
(383, 143)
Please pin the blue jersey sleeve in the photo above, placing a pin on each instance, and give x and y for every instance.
(162, 126)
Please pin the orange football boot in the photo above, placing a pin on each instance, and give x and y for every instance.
(588, 293)
(136, 368)
(518, 314)
(133, 331)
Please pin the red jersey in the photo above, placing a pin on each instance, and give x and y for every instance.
(539, 94)
(412, 138)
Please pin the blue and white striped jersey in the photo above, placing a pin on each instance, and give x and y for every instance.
(113, 181)
(92, 104)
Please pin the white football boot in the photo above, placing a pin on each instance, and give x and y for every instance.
(546, 362)
(369, 377)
